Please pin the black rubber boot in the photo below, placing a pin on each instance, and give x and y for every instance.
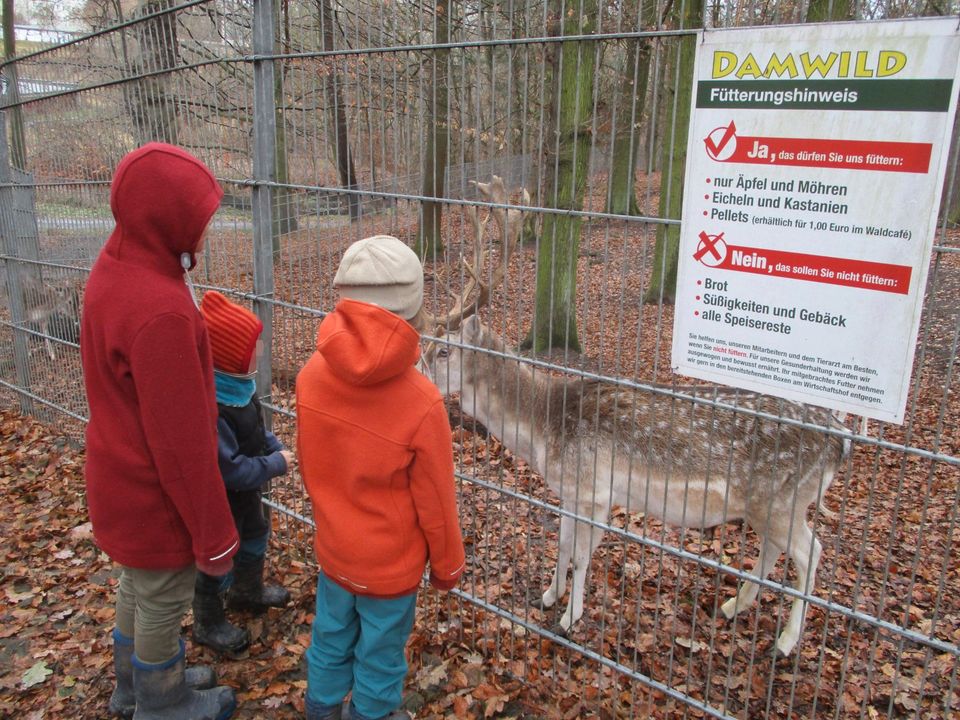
(162, 694)
(398, 714)
(122, 701)
(317, 711)
(210, 625)
(248, 591)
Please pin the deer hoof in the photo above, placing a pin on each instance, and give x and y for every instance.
(558, 629)
(566, 622)
(536, 601)
(539, 601)
(729, 608)
(785, 644)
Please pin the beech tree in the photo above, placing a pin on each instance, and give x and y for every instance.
(677, 94)
(566, 164)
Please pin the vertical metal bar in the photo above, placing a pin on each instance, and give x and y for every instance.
(8, 234)
(264, 173)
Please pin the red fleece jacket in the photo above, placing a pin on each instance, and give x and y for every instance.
(154, 490)
(375, 454)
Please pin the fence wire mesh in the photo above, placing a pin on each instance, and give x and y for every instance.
(358, 118)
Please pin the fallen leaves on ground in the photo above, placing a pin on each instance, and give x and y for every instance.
(57, 611)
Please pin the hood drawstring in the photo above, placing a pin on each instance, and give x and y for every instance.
(185, 262)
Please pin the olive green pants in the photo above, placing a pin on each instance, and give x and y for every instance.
(150, 609)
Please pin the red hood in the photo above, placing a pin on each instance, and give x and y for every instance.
(365, 344)
(162, 199)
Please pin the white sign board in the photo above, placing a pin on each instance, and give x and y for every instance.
(814, 172)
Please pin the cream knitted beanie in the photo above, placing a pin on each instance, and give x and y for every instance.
(383, 271)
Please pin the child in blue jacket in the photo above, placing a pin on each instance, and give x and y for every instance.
(249, 456)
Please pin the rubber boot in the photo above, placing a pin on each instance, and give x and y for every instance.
(248, 591)
(319, 711)
(397, 714)
(162, 694)
(122, 701)
(210, 625)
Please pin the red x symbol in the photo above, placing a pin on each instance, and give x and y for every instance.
(708, 244)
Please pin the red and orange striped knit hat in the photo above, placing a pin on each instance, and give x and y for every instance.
(233, 331)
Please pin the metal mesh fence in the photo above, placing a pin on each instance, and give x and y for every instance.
(319, 120)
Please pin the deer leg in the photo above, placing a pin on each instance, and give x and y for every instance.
(558, 582)
(586, 541)
(769, 554)
(805, 552)
(47, 342)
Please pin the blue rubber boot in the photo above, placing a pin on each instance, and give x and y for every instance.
(123, 702)
(162, 693)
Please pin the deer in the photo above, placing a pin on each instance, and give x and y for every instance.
(697, 459)
(54, 309)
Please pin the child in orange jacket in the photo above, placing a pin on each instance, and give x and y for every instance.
(375, 452)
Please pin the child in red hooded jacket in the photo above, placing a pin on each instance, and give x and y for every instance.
(375, 453)
(155, 496)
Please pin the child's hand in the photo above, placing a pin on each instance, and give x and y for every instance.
(216, 568)
(443, 586)
(288, 458)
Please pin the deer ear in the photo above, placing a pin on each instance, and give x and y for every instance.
(471, 326)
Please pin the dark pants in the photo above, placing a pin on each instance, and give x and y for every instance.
(254, 531)
(248, 514)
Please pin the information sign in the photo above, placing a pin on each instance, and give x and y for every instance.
(814, 172)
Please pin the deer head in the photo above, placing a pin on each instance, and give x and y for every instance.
(444, 361)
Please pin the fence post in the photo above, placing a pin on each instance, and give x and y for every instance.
(8, 233)
(264, 174)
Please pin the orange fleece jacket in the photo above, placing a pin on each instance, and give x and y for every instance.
(375, 453)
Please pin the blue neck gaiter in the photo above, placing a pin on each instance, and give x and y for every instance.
(232, 390)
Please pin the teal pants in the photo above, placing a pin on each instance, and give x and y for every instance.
(358, 643)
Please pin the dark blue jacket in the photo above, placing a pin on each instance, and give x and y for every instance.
(242, 468)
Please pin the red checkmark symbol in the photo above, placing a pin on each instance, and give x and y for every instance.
(714, 149)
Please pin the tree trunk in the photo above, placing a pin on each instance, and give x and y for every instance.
(18, 145)
(284, 201)
(828, 10)
(150, 101)
(621, 194)
(950, 203)
(555, 313)
(429, 244)
(338, 115)
(678, 93)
